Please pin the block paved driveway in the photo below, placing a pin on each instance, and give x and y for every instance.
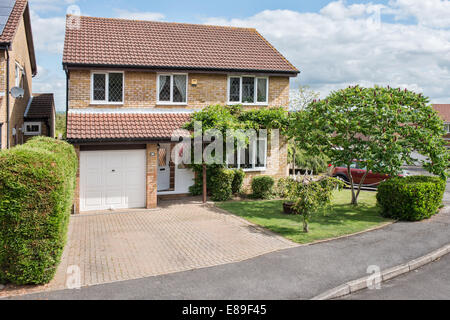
(177, 237)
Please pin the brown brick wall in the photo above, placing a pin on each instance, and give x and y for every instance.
(17, 107)
(76, 197)
(152, 176)
(140, 90)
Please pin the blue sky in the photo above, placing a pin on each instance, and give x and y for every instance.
(333, 43)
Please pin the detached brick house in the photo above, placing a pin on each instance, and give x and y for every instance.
(18, 116)
(444, 112)
(131, 84)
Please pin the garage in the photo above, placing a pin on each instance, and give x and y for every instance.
(112, 179)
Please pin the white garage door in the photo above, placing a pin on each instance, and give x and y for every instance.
(112, 179)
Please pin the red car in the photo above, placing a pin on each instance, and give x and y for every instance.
(358, 170)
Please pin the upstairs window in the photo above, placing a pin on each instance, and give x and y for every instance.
(19, 75)
(172, 89)
(248, 90)
(107, 87)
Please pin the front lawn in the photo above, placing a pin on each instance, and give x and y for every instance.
(339, 219)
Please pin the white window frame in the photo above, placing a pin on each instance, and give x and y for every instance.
(32, 133)
(256, 103)
(171, 89)
(106, 73)
(255, 154)
(19, 75)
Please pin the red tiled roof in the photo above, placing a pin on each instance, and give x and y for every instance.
(120, 42)
(123, 126)
(20, 10)
(443, 110)
(41, 106)
(13, 21)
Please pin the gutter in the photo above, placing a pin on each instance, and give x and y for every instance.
(6, 48)
(67, 96)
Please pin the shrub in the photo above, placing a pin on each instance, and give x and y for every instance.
(238, 180)
(310, 196)
(222, 182)
(283, 187)
(262, 187)
(37, 182)
(412, 198)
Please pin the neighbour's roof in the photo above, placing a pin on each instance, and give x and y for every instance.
(443, 110)
(148, 44)
(41, 107)
(11, 12)
(85, 126)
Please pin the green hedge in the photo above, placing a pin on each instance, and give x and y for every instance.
(222, 185)
(37, 182)
(262, 187)
(238, 181)
(412, 198)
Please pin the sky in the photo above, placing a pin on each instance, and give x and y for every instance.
(401, 43)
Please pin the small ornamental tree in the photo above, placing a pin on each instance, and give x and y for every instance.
(379, 127)
(308, 197)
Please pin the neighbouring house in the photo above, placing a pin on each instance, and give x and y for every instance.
(131, 84)
(39, 117)
(17, 68)
(444, 112)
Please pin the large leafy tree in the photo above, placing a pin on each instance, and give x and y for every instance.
(380, 127)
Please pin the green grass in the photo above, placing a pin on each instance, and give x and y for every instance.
(339, 219)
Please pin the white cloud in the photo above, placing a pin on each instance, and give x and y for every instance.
(139, 15)
(343, 45)
(430, 13)
(48, 33)
(50, 5)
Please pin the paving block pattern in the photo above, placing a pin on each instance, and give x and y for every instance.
(179, 237)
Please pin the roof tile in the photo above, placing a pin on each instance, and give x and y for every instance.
(106, 41)
(13, 21)
(41, 106)
(443, 110)
(123, 126)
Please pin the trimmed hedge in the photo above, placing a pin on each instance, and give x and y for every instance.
(411, 198)
(37, 183)
(238, 181)
(262, 187)
(222, 185)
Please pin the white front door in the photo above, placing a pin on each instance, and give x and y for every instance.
(184, 178)
(112, 179)
(164, 167)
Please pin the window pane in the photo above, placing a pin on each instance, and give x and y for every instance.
(235, 89)
(164, 88)
(262, 90)
(248, 90)
(99, 87)
(115, 87)
(179, 88)
(261, 153)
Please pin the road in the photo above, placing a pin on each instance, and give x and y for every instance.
(431, 282)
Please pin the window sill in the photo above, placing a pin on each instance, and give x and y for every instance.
(255, 170)
(100, 103)
(32, 134)
(259, 104)
(159, 103)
